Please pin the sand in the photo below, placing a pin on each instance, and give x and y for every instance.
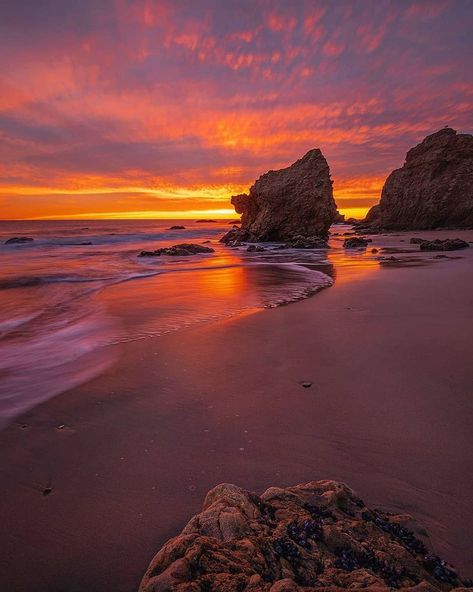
(390, 412)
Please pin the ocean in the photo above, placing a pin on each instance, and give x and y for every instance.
(79, 288)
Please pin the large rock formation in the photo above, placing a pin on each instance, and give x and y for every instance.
(297, 200)
(433, 189)
(317, 537)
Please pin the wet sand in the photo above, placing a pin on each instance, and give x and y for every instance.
(390, 412)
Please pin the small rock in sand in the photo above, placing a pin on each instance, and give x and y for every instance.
(18, 240)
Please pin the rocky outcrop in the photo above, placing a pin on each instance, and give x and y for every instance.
(183, 250)
(433, 189)
(355, 242)
(447, 244)
(297, 200)
(319, 536)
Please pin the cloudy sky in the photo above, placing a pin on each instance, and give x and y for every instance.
(147, 108)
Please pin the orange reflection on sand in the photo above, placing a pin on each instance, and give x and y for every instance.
(351, 264)
(226, 277)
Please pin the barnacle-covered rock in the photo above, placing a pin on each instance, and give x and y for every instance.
(317, 536)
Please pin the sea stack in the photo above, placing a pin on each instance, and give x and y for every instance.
(433, 189)
(295, 201)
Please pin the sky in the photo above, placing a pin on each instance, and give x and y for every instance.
(138, 109)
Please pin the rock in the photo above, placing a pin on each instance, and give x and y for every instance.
(374, 251)
(206, 221)
(183, 249)
(306, 384)
(356, 241)
(19, 240)
(307, 242)
(314, 537)
(416, 240)
(351, 221)
(177, 227)
(297, 200)
(339, 218)
(433, 189)
(255, 249)
(448, 244)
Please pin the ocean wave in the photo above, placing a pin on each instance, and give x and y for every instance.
(33, 280)
(84, 240)
(51, 353)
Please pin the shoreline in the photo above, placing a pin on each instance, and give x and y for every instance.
(386, 351)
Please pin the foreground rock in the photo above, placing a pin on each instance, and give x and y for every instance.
(448, 244)
(18, 240)
(355, 242)
(183, 250)
(318, 536)
(297, 200)
(433, 189)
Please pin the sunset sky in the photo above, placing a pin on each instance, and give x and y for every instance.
(122, 108)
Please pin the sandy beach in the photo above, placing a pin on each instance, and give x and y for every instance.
(130, 455)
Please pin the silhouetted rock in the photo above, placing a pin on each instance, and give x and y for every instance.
(255, 249)
(307, 242)
(355, 242)
(297, 200)
(18, 240)
(339, 218)
(448, 244)
(433, 189)
(177, 227)
(206, 221)
(183, 249)
(315, 537)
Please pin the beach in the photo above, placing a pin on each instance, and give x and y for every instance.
(96, 479)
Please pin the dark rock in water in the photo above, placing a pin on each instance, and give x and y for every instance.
(315, 537)
(306, 384)
(356, 241)
(307, 242)
(47, 490)
(434, 188)
(206, 221)
(416, 240)
(255, 249)
(448, 244)
(177, 227)
(374, 251)
(18, 240)
(183, 249)
(351, 221)
(297, 200)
